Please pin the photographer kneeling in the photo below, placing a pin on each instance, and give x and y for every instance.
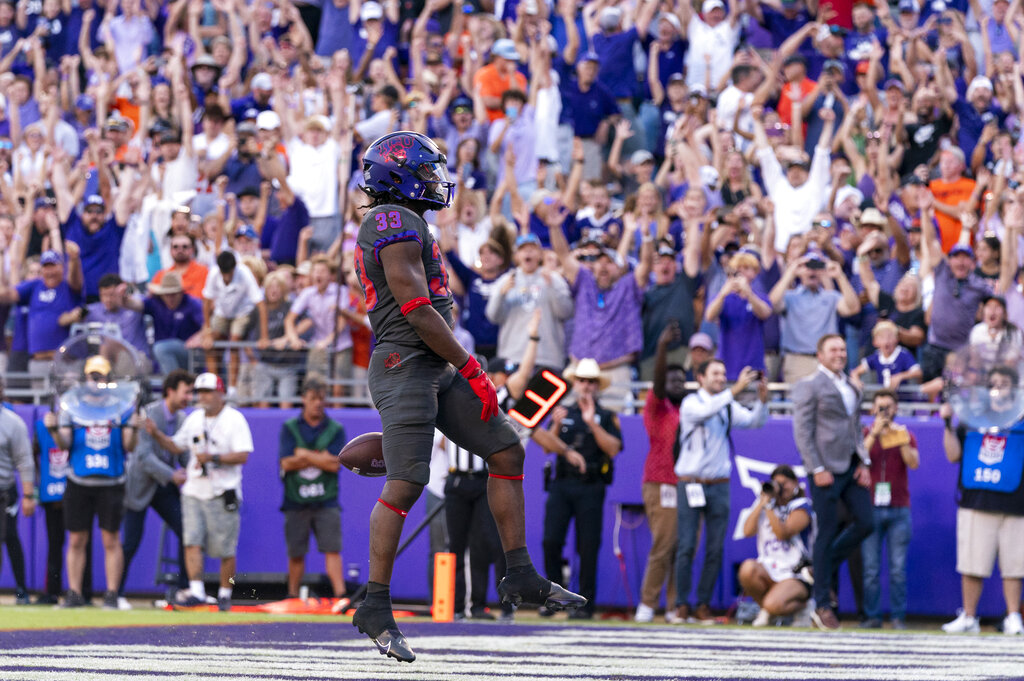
(783, 521)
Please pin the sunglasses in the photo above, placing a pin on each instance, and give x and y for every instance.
(876, 135)
(876, 251)
(587, 258)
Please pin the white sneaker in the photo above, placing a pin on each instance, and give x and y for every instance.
(1012, 625)
(763, 619)
(963, 624)
(672, 617)
(803, 618)
(123, 604)
(644, 613)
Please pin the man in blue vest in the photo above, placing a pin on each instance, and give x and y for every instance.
(310, 474)
(95, 488)
(990, 516)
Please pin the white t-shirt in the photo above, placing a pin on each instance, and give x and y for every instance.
(720, 42)
(314, 175)
(236, 298)
(225, 433)
(735, 102)
(214, 148)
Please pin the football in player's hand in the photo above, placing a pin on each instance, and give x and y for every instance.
(364, 455)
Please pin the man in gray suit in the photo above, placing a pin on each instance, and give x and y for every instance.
(154, 474)
(827, 431)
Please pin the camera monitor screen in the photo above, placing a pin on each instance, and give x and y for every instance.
(543, 392)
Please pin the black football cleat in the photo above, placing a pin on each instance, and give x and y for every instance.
(533, 589)
(380, 626)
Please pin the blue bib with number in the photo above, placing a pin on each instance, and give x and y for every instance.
(53, 465)
(993, 462)
(96, 451)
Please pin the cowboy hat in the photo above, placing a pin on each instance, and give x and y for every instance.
(170, 283)
(587, 368)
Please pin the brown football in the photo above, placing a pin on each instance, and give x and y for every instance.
(364, 455)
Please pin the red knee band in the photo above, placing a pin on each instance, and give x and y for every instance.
(507, 477)
(389, 506)
(414, 303)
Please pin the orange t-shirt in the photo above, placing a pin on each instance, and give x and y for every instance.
(362, 339)
(950, 193)
(786, 102)
(128, 110)
(193, 279)
(489, 83)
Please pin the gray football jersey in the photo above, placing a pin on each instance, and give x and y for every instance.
(390, 224)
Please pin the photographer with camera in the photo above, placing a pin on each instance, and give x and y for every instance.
(581, 476)
(892, 450)
(703, 468)
(783, 521)
(218, 440)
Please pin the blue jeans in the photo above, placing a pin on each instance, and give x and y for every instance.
(170, 354)
(716, 523)
(893, 525)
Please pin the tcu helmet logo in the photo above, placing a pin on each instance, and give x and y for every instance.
(992, 449)
(396, 147)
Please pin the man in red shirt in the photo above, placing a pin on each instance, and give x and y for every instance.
(893, 450)
(661, 419)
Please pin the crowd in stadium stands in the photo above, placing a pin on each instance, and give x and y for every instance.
(759, 172)
(655, 177)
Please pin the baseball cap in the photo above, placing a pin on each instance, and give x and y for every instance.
(246, 129)
(462, 103)
(85, 103)
(97, 364)
(525, 239)
(641, 156)
(709, 5)
(208, 381)
(961, 249)
(268, 120)
(44, 202)
(676, 78)
(94, 200)
(51, 258)
(672, 19)
(506, 49)
(371, 10)
(589, 55)
(872, 217)
(263, 81)
(894, 83)
(497, 365)
(609, 18)
(795, 59)
(909, 7)
(248, 231)
(701, 340)
(835, 65)
(979, 83)
(170, 137)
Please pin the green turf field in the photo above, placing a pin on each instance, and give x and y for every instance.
(47, 617)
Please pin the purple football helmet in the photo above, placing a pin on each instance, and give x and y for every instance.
(407, 166)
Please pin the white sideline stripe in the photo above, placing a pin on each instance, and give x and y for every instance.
(664, 653)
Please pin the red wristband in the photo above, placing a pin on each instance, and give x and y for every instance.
(414, 303)
(471, 368)
(396, 510)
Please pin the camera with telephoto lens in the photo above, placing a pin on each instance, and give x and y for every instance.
(770, 487)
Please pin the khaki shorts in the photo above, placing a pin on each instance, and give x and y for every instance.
(981, 536)
(230, 328)
(206, 523)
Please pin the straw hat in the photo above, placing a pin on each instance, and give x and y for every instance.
(169, 284)
(587, 368)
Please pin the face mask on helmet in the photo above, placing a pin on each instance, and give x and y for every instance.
(437, 183)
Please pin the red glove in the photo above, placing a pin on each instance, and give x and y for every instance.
(482, 386)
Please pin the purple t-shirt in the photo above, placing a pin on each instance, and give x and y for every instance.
(606, 324)
(100, 251)
(45, 305)
(181, 323)
(741, 336)
(954, 306)
(281, 233)
(887, 366)
(129, 321)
